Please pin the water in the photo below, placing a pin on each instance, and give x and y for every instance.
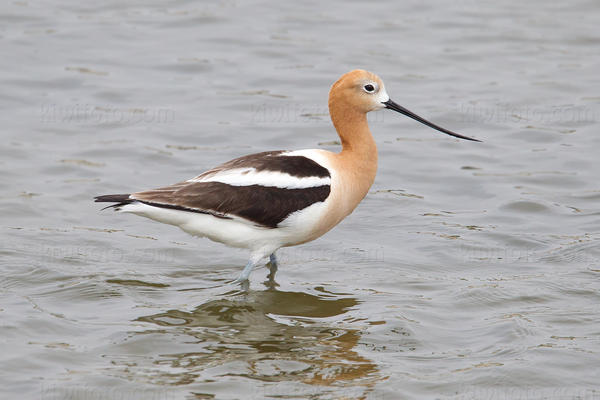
(470, 271)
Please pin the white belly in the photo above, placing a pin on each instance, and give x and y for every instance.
(298, 228)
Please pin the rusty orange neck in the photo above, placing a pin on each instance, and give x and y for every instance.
(358, 158)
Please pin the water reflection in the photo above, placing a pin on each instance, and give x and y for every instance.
(277, 335)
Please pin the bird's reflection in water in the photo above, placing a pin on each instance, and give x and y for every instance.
(276, 335)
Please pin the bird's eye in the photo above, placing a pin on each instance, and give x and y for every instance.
(369, 88)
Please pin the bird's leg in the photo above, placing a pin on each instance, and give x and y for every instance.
(273, 261)
(245, 272)
(272, 267)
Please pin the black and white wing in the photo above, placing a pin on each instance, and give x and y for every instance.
(262, 189)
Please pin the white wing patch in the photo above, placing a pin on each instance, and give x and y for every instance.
(249, 176)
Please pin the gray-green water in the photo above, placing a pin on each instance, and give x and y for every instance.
(470, 271)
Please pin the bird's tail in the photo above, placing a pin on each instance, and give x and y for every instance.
(119, 199)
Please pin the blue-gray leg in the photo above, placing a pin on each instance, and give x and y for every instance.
(256, 257)
(245, 272)
(270, 283)
(273, 261)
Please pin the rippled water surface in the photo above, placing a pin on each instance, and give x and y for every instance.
(470, 271)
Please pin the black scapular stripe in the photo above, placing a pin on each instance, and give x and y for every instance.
(297, 166)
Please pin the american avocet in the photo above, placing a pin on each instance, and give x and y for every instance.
(275, 199)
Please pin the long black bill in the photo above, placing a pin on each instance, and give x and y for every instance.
(397, 107)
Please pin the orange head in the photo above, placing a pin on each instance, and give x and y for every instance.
(358, 92)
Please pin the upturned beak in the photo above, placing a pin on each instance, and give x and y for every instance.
(397, 107)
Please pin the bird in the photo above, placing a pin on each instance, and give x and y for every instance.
(273, 199)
